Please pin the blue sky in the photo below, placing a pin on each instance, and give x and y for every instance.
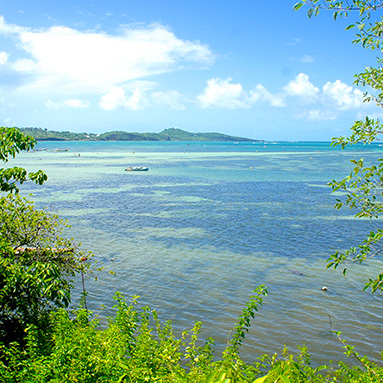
(249, 68)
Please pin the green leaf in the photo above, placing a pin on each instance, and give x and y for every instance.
(261, 380)
(297, 6)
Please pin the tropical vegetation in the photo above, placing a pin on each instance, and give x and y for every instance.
(363, 186)
(171, 134)
(41, 340)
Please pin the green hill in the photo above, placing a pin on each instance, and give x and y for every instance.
(175, 134)
(50, 135)
(172, 134)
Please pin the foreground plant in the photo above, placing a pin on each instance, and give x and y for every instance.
(12, 141)
(36, 267)
(364, 185)
(37, 262)
(133, 348)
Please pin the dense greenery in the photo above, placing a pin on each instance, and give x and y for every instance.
(41, 341)
(35, 260)
(135, 347)
(12, 141)
(364, 185)
(50, 135)
(172, 134)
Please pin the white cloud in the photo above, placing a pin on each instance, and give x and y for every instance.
(3, 57)
(25, 66)
(261, 93)
(334, 95)
(117, 98)
(6, 28)
(302, 87)
(223, 94)
(334, 98)
(316, 115)
(70, 103)
(327, 103)
(53, 105)
(63, 59)
(343, 95)
(75, 103)
(172, 98)
(307, 59)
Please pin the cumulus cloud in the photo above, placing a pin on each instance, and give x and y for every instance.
(70, 103)
(316, 115)
(223, 94)
(334, 98)
(261, 93)
(302, 87)
(6, 28)
(171, 98)
(70, 60)
(3, 57)
(343, 95)
(118, 98)
(327, 103)
(75, 103)
(334, 95)
(140, 97)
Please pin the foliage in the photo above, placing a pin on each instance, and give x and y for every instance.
(36, 264)
(364, 185)
(243, 323)
(130, 349)
(50, 135)
(12, 141)
(135, 347)
(172, 134)
(232, 368)
(40, 341)
(175, 134)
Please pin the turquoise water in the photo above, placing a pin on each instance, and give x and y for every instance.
(208, 223)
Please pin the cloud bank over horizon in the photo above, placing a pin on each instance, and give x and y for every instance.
(130, 70)
(73, 61)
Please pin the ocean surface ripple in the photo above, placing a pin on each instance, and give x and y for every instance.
(207, 224)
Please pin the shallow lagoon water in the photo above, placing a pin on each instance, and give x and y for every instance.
(207, 224)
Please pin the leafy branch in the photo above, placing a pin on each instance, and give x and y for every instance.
(243, 323)
(12, 142)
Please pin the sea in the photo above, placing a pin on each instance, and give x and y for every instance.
(209, 222)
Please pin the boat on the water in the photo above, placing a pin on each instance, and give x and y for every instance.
(136, 169)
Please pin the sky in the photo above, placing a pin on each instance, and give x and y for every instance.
(249, 68)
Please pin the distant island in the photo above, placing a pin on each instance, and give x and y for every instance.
(171, 134)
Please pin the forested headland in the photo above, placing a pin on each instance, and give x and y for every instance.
(42, 340)
(171, 134)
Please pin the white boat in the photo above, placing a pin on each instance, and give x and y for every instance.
(136, 169)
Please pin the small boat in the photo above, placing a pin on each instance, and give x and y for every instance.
(136, 169)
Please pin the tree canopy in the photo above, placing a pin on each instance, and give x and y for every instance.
(364, 185)
(12, 141)
(36, 261)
